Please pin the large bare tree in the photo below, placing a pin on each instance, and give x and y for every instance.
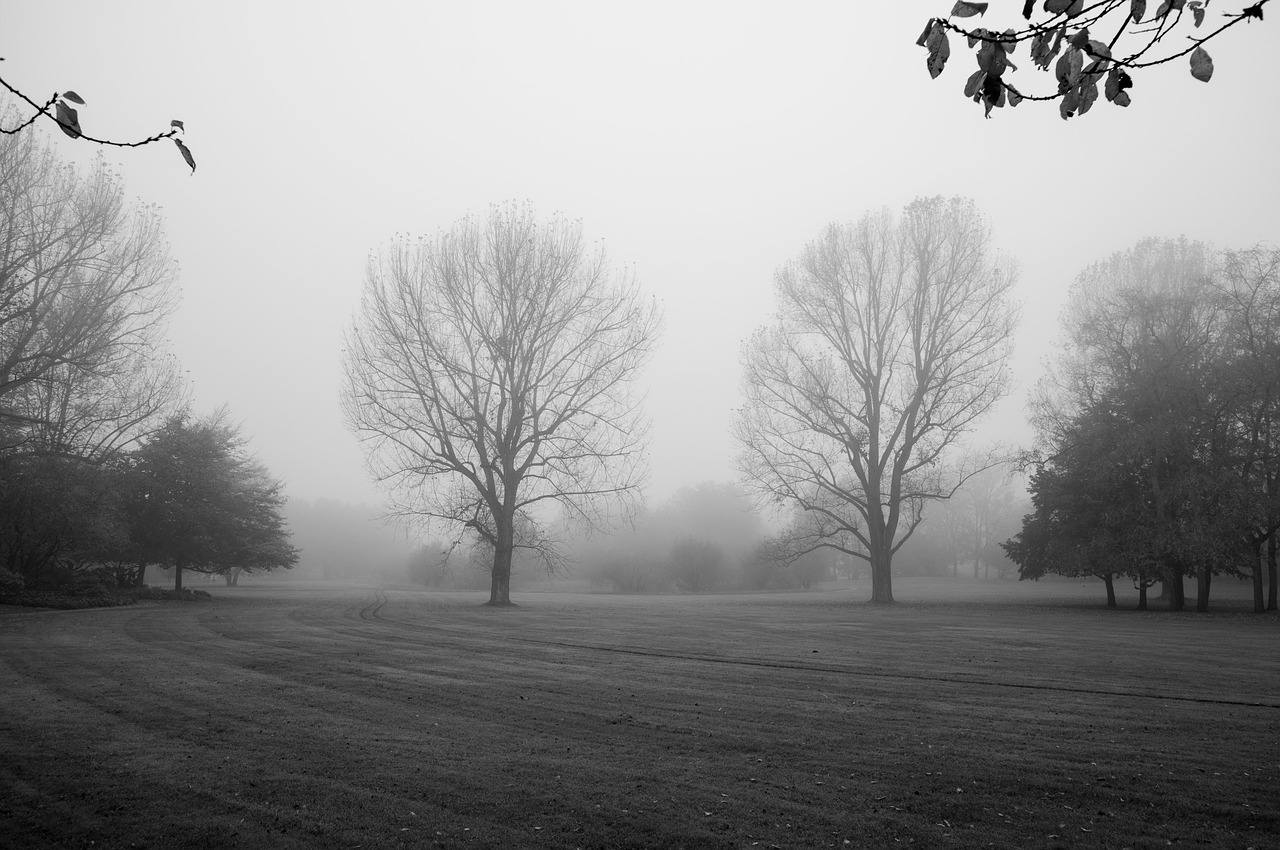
(86, 289)
(490, 377)
(891, 340)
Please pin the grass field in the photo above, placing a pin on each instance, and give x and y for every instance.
(342, 716)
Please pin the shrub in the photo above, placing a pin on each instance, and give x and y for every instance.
(631, 575)
(697, 565)
(10, 583)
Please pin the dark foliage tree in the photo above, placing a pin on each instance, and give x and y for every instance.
(891, 342)
(1153, 426)
(61, 516)
(490, 377)
(1094, 47)
(1090, 513)
(202, 503)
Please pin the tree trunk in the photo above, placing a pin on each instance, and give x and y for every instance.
(1110, 581)
(140, 577)
(1203, 578)
(500, 578)
(1142, 595)
(1259, 606)
(1177, 591)
(1271, 572)
(500, 583)
(177, 573)
(881, 561)
(881, 581)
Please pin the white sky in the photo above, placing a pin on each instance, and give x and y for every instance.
(705, 142)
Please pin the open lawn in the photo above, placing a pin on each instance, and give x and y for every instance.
(341, 716)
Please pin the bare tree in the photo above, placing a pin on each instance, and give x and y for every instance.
(86, 288)
(490, 378)
(891, 341)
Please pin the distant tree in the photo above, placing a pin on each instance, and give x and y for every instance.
(813, 567)
(764, 569)
(697, 565)
(630, 573)
(635, 557)
(987, 513)
(429, 564)
(339, 540)
(891, 341)
(202, 503)
(632, 556)
(490, 376)
(1127, 40)
(948, 526)
(718, 512)
(967, 528)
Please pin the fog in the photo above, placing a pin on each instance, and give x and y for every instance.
(705, 144)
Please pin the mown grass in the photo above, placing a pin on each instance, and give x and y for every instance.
(347, 717)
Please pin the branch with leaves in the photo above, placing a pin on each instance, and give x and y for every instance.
(1125, 42)
(59, 109)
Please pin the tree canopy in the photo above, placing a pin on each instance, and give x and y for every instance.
(1157, 422)
(490, 377)
(200, 502)
(891, 341)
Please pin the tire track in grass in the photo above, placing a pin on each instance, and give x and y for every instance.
(371, 611)
(779, 749)
(183, 733)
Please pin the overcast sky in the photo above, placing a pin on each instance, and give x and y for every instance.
(706, 143)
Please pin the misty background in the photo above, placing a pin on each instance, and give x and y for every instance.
(705, 145)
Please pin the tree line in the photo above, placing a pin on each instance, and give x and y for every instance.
(1158, 426)
(491, 377)
(103, 469)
